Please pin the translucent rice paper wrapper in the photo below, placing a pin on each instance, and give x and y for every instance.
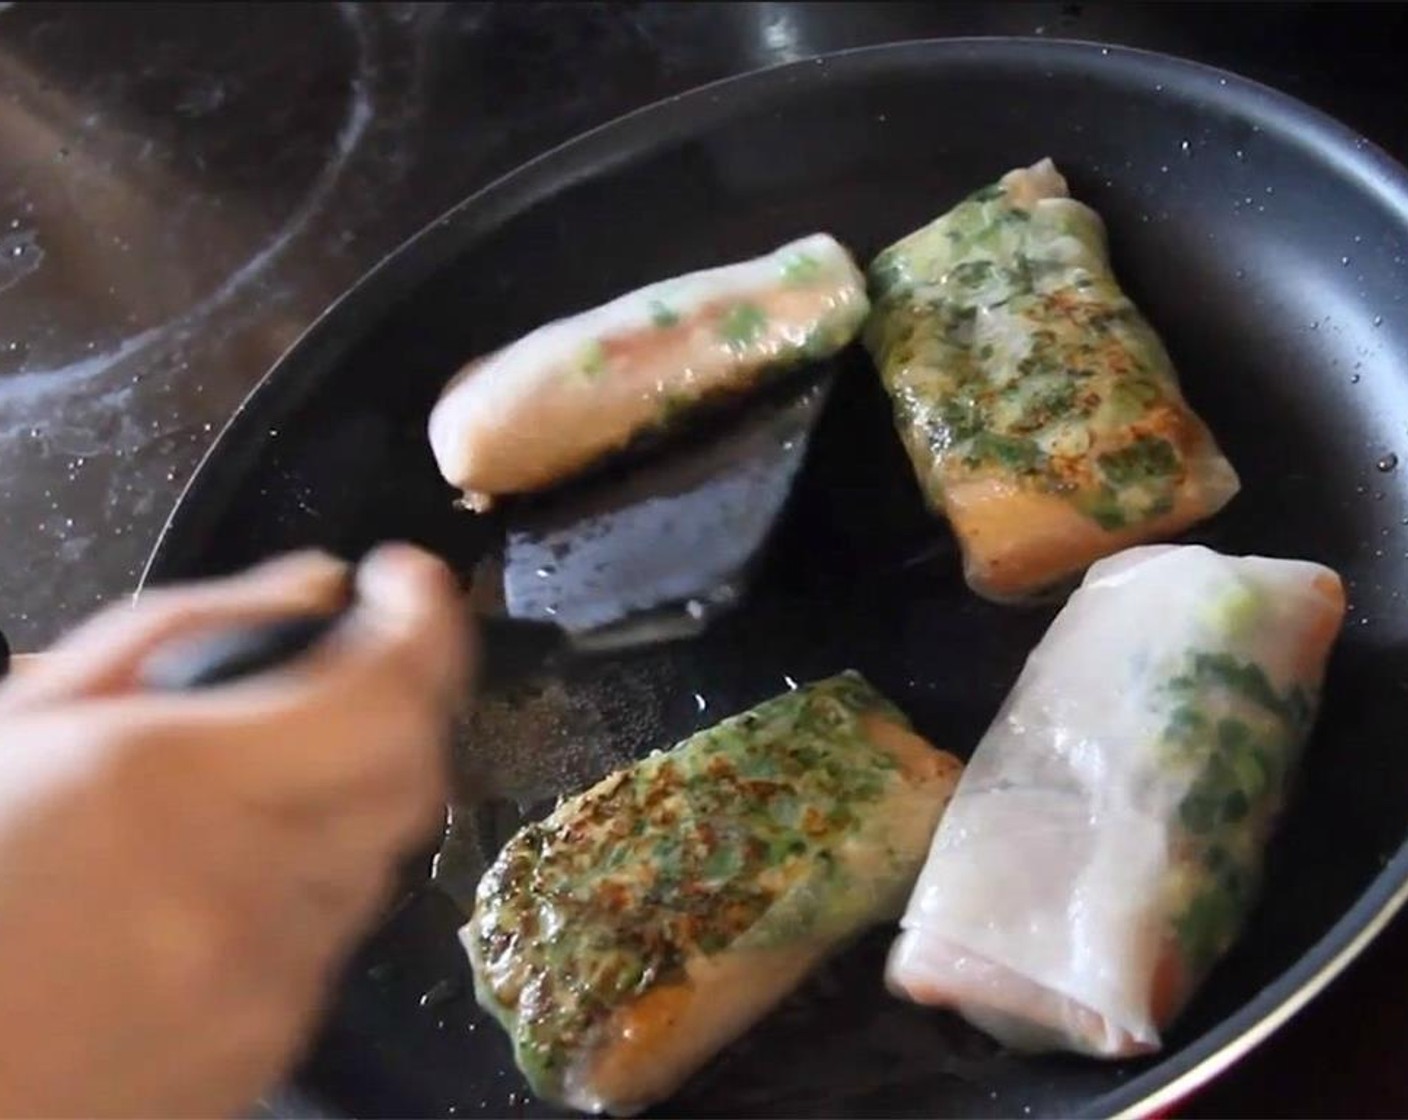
(1105, 842)
(578, 390)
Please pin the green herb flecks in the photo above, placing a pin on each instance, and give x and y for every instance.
(1247, 680)
(1147, 459)
(887, 275)
(662, 315)
(971, 274)
(1045, 403)
(1131, 397)
(1010, 452)
(1238, 734)
(1136, 484)
(1102, 505)
(593, 363)
(801, 269)
(1015, 349)
(681, 854)
(957, 419)
(1206, 928)
(742, 324)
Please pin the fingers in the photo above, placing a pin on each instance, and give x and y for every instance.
(364, 716)
(348, 742)
(103, 656)
(265, 816)
(409, 619)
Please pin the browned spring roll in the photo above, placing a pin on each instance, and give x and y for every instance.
(651, 920)
(1040, 410)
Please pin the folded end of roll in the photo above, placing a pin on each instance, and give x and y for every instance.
(1016, 1010)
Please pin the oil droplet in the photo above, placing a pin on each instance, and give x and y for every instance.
(1183, 146)
(1387, 463)
(1241, 155)
(1378, 320)
(791, 684)
(700, 702)
(1344, 262)
(441, 993)
(1354, 379)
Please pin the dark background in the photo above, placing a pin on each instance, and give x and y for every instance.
(184, 187)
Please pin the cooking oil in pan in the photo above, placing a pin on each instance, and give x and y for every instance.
(551, 734)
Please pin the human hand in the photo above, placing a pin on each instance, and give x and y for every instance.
(181, 874)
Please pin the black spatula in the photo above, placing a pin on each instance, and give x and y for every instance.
(652, 550)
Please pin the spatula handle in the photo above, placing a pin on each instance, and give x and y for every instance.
(222, 656)
(230, 655)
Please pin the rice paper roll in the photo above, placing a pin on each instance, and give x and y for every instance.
(575, 391)
(1041, 413)
(1105, 843)
(649, 921)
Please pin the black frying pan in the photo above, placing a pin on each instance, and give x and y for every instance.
(1269, 246)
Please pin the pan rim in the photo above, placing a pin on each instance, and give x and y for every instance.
(301, 368)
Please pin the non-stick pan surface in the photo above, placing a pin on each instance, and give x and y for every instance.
(1268, 245)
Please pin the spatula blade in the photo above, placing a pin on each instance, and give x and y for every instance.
(653, 552)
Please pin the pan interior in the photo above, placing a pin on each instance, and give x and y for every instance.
(1264, 244)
